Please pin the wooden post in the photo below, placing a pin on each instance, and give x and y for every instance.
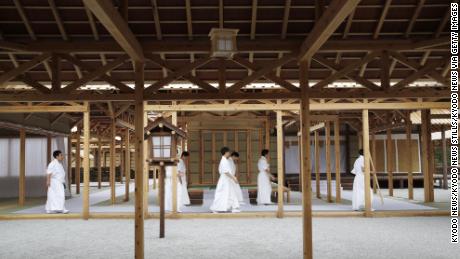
(338, 196)
(410, 176)
(146, 169)
(127, 165)
(99, 160)
(48, 149)
(327, 144)
(317, 166)
(161, 194)
(86, 136)
(139, 160)
(213, 157)
(112, 161)
(305, 165)
(444, 157)
(367, 165)
(174, 172)
(426, 160)
(390, 156)
(374, 155)
(280, 163)
(267, 133)
(77, 163)
(347, 148)
(69, 162)
(22, 166)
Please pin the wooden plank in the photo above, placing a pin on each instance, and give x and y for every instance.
(334, 15)
(116, 26)
(138, 160)
(338, 196)
(327, 145)
(367, 165)
(86, 161)
(41, 109)
(280, 162)
(22, 167)
(317, 165)
(307, 227)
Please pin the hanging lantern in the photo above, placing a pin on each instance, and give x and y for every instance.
(223, 42)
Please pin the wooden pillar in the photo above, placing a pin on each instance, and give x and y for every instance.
(444, 157)
(86, 135)
(374, 155)
(69, 162)
(99, 161)
(139, 161)
(305, 165)
(338, 196)
(327, 145)
(22, 167)
(48, 149)
(146, 169)
(390, 164)
(426, 160)
(317, 166)
(367, 165)
(174, 173)
(77, 163)
(280, 163)
(112, 161)
(347, 148)
(127, 165)
(410, 176)
(267, 133)
(161, 194)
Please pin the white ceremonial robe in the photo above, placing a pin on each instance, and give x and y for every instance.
(264, 186)
(181, 167)
(225, 198)
(56, 193)
(169, 191)
(358, 184)
(239, 192)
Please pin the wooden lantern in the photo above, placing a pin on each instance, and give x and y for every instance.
(163, 138)
(223, 42)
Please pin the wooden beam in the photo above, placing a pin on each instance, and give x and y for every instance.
(86, 161)
(57, 118)
(99, 160)
(280, 162)
(24, 67)
(382, 19)
(390, 158)
(156, 19)
(127, 164)
(188, 13)
(139, 162)
(253, 19)
(410, 175)
(221, 14)
(418, 74)
(384, 71)
(22, 167)
(327, 145)
(55, 73)
(270, 76)
(48, 149)
(69, 163)
(284, 26)
(117, 27)
(367, 165)
(307, 227)
(334, 15)
(95, 74)
(77, 162)
(445, 167)
(260, 73)
(41, 109)
(415, 14)
(317, 165)
(425, 155)
(112, 161)
(338, 196)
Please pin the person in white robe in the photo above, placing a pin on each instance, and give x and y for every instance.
(169, 190)
(264, 186)
(182, 169)
(358, 183)
(233, 160)
(55, 182)
(225, 198)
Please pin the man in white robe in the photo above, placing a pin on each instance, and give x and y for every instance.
(233, 159)
(264, 186)
(225, 198)
(55, 181)
(169, 190)
(358, 183)
(182, 169)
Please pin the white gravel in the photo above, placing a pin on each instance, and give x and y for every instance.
(419, 237)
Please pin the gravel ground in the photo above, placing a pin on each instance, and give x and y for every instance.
(419, 237)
